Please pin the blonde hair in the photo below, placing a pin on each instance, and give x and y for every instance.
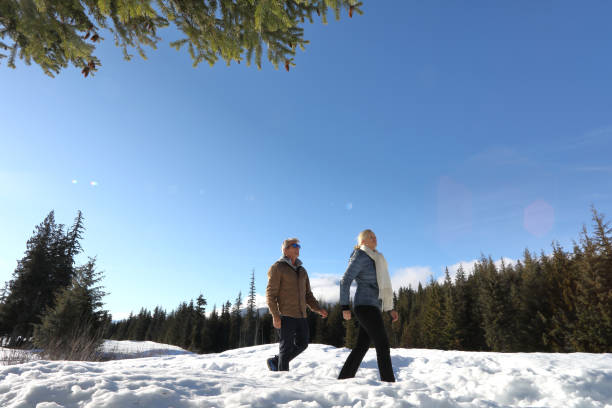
(288, 242)
(366, 233)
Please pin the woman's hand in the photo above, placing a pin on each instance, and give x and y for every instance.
(394, 315)
(346, 314)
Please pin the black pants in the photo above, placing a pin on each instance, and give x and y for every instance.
(370, 327)
(294, 337)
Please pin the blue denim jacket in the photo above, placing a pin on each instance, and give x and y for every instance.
(361, 269)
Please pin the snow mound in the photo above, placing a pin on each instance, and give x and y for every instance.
(114, 350)
(239, 378)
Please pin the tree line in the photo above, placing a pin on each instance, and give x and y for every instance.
(560, 302)
(557, 302)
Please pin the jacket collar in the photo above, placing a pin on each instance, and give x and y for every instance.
(295, 267)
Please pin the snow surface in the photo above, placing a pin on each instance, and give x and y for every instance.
(239, 378)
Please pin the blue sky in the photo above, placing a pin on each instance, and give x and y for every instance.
(450, 129)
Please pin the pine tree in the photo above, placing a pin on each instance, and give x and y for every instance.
(54, 34)
(498, 294)
(225, 323)
(594, 290)
(433, 321)
(157, 321)
(72, 328)
(560, 322)
(449, 338)
(235, 333)
(251, 318)
(405, 297)
(413, 336)
(210, 334)
(461, 311)
(47, 266)
(198, 334)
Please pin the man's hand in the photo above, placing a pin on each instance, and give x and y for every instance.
(394, 316)
(346, 314)
(323, 313)
(276, 322)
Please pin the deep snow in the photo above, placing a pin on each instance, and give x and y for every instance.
(239, 378)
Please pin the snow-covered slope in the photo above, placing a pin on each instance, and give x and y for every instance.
(239, 378)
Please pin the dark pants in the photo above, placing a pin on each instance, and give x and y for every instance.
(370, 327)
(294, 336)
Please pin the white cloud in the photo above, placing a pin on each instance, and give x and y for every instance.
(260, 301)
(411, 276)
(326, 287)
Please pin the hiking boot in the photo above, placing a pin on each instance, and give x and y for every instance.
(273, 363)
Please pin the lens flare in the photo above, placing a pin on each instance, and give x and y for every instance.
(93, 183)
(539, 218)
(74, 181)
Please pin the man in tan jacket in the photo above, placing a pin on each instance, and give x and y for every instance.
(288, 293)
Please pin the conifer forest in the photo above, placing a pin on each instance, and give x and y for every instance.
(559, 300)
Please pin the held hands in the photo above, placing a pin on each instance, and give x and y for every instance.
(323, 313)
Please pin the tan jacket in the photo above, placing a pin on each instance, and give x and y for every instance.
(288, 291)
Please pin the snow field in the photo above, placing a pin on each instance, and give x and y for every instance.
(240, 378)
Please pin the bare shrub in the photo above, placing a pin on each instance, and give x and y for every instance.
(15, 356)
(80, 344)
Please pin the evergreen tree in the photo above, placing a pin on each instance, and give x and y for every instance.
(531, 297)
(211, 332)
(251, 317)
(560, 323)
(198, 334)
(449, 337)
(433, 321)
(141, 325)
(54, 33)
(225, 323)
(403, 306)
(47, 266)
(414, 336)
(236, 333)
(72, 328)
(594, 289)
(154, 331)
(461, 311)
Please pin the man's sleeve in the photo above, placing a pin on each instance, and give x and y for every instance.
(311, 301)
(272, 290)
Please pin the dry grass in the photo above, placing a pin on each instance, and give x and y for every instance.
(74, 348)
(15, 356)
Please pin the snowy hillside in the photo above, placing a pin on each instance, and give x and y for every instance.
(239, 378)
